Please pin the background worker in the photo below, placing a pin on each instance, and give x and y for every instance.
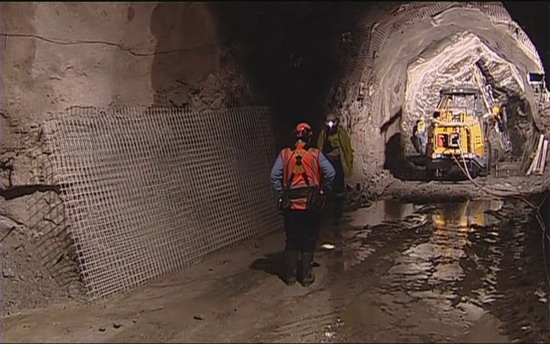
(420, 136)
(335, 143)
(298, 177)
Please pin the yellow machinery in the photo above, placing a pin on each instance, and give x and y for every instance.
(456, 134)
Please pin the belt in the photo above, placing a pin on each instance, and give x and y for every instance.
(299, 192)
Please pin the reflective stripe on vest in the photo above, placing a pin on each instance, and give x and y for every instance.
(301, 170)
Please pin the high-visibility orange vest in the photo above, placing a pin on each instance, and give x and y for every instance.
(301, 172)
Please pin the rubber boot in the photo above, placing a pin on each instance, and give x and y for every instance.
(337, 209)
(291, 265)
(307, 276)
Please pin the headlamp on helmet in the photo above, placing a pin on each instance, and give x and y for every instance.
(303, 132)
(331, 121)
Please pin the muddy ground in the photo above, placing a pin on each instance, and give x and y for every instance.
(451, 272)
(31, 280)
(464, 189)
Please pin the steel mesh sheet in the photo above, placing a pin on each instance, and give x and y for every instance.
(150, 190)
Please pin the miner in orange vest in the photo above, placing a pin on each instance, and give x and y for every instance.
(299, 176)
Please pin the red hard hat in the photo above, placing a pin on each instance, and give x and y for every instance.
(303, 131)
(303, 126)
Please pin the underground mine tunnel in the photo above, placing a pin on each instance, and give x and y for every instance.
(137, 143)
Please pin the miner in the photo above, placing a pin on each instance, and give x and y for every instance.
(335, 143)
(299, 176)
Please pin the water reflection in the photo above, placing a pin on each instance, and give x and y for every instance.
(452, 223)
(439, 256)
(432, 270)
(466, 214)
(456, 260)
(426, 268)
(382, 211)
(379, 218)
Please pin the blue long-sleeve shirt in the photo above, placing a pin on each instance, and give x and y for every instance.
(277, 172)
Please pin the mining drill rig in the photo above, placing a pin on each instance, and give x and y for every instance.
(456, 141)
(468, 131)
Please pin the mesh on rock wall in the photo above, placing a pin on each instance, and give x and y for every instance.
(150, 190)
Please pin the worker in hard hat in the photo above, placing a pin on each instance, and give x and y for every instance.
(299, 176)
(335, 143)
(496, 111)
(420, 136)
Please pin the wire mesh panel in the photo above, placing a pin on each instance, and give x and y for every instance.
(150, 190)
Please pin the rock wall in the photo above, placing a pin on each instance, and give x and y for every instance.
(62, 55)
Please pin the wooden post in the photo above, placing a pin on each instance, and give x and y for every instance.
(534, 163)
(543, 157)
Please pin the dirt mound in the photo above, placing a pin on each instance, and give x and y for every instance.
(26, 282)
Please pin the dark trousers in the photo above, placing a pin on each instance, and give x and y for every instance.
(302, 230)
(338, 188)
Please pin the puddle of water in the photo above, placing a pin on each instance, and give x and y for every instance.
(452, 222)
(381, 211)
(465, 214)
(437, 260)
(458, 256)
(461, 215)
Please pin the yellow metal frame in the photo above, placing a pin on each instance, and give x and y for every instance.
(465, 124)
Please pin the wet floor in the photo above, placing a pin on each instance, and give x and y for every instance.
(393, 272)
(472, 270)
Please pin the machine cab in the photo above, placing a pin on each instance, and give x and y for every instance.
(456, 103)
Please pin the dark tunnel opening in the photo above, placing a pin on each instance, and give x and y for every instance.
(532, 16)
(293, 55)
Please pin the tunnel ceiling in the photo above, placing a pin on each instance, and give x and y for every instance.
(410, 50)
